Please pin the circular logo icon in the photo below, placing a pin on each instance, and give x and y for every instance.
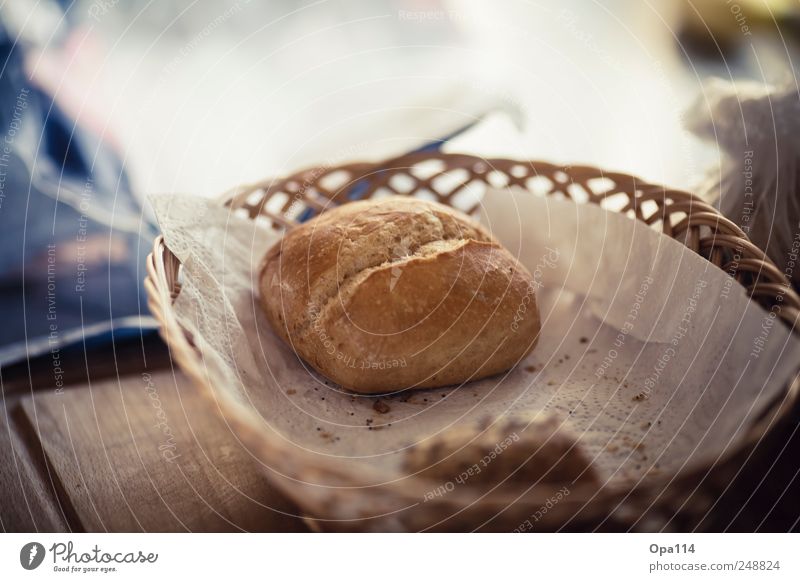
(31, 555)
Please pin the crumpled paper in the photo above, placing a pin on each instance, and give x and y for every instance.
(655, 358)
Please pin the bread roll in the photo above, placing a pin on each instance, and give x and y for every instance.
(395, 293)
(538, 449)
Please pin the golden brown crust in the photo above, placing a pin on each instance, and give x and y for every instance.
(397, 293)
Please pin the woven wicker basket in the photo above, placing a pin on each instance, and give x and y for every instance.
(676, 502)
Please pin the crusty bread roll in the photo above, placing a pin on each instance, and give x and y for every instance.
(530, 450)
(395, 293)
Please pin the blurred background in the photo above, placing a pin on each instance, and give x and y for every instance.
(105, 102)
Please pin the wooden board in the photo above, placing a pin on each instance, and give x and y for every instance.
(141, 453)
(29, 502)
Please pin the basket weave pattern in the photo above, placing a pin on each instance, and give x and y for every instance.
(454, 179)
(676, 213)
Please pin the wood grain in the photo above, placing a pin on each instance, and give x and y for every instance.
(142, 453)
(29, 502)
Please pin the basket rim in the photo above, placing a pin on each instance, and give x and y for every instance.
(162, 287)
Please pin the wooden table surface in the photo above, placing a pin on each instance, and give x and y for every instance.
(126, 446)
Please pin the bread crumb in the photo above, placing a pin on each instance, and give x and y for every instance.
(380, 406)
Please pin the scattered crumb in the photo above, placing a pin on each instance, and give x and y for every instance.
(583, 340)
(551, 383)
(370, 426)
(530, 368)
(380, 407)
(291, 391)
(640, 396)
